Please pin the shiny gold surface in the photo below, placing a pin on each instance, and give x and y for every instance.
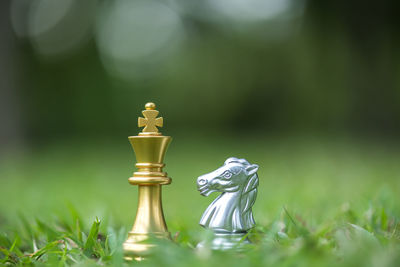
(150, 147)
(150, 122)
(150, 106)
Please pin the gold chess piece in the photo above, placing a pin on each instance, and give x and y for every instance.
(150, 147)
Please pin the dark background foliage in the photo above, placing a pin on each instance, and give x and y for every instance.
(325, 66)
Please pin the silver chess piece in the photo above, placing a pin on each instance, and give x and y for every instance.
(230, 215)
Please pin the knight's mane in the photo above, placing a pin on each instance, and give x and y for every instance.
(248, 197)
(247, 201)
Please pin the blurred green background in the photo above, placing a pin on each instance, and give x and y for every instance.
(309, 90)
(72, 69)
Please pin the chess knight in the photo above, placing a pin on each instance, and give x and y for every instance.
(230, 215)
(150, 147)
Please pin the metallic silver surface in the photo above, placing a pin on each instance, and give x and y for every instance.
(230, 214)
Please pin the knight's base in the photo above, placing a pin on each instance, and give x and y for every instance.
(139, 246)
(227, 241)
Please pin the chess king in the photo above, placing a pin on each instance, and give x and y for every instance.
(150, 147)
(230, 215)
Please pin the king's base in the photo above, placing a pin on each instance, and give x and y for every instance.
(226, 241)
(138, 246)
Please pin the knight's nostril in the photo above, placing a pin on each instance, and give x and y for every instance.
(202, 182)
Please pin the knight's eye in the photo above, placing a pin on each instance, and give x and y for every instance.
(227, 174)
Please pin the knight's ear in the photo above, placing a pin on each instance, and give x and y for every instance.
(231, 159)
(252, 169)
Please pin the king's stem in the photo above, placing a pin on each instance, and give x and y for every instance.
(149, 215)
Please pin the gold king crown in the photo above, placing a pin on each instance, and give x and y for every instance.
(150, 147)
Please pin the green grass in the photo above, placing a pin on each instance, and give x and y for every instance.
(321, 202)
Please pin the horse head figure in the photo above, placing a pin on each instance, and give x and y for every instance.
(231, 211)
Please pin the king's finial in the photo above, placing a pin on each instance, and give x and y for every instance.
(150, 122)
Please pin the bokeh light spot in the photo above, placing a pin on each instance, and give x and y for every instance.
(130, 33)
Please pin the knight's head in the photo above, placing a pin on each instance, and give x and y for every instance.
(235, 175)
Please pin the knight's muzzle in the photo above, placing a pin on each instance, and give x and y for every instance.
(201, 181)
